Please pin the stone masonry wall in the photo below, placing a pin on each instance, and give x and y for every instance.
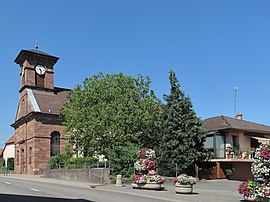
(93, 175)
(32, 146)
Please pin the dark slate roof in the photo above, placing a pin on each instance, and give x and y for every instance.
(35, 52)
(224, 123)
(40, 53)
(50, 102)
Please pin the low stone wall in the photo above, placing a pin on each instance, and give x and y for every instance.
(93, 175)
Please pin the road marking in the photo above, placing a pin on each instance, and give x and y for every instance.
(34, 190)
(7, 183)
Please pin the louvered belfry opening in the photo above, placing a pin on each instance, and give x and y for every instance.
(40, 80)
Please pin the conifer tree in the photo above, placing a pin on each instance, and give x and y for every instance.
(182, 136)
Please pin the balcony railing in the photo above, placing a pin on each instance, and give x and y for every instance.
(243, 153)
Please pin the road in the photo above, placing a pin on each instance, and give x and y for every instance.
(27, 190)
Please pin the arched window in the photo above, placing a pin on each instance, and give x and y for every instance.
(55, 143)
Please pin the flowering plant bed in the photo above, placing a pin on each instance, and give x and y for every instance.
(145, 166)
(143, 179)
(184, 184)
(184, 179)
(260, 168)
(247, 189)
(148, 185)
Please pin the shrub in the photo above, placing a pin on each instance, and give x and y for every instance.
(2, 163)
(81, 162)
(10, 164)
(62, 161)
(122, 159)
(57, 161)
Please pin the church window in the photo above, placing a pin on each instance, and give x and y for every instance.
(55, 143)
(30, 155)
(18, 157)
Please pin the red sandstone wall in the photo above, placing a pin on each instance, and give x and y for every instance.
(32, 146)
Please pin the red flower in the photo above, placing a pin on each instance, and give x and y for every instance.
(136, 178)
(174, 180)
(266, 193)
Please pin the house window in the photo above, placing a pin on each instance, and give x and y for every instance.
(235, 140)
(215, 143)
(55, 143)
(209, 143)
(220, 146)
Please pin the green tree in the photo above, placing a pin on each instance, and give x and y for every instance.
(182, 133)
(122, 159)
(110, 111)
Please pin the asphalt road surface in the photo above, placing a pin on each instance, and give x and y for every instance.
(25, 190)
(19, 188)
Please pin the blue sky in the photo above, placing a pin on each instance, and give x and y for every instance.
(213, 46)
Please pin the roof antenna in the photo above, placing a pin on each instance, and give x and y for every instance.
(235, 90)
(36, 45)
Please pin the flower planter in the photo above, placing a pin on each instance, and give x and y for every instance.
(148, 185)
(249, 198)
(263, 199)
(229, 156)
(183, 189)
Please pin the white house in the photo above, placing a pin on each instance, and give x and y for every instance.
(9, 150)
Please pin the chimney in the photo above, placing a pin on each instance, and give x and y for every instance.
(239, 116)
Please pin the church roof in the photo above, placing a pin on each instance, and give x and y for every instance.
(48, 102)
(225, 123)
(23, 53)
(40, 53)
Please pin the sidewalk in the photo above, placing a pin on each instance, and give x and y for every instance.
(204, 190)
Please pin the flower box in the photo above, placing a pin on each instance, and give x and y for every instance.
(148, 185)
(184, 184)
(183, 189)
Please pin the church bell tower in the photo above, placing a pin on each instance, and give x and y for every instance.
(36, 69)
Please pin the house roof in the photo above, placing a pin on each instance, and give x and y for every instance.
(225, 123)
(48, 102)
(10, 140)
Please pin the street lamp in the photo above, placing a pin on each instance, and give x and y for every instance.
(235, 90)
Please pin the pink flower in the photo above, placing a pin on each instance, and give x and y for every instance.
(266, 192)
(174, 180)
(265, 154)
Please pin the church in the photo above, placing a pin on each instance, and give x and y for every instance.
(39, 131)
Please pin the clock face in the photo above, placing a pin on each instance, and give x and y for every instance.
(40, 69)
(22, 73)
